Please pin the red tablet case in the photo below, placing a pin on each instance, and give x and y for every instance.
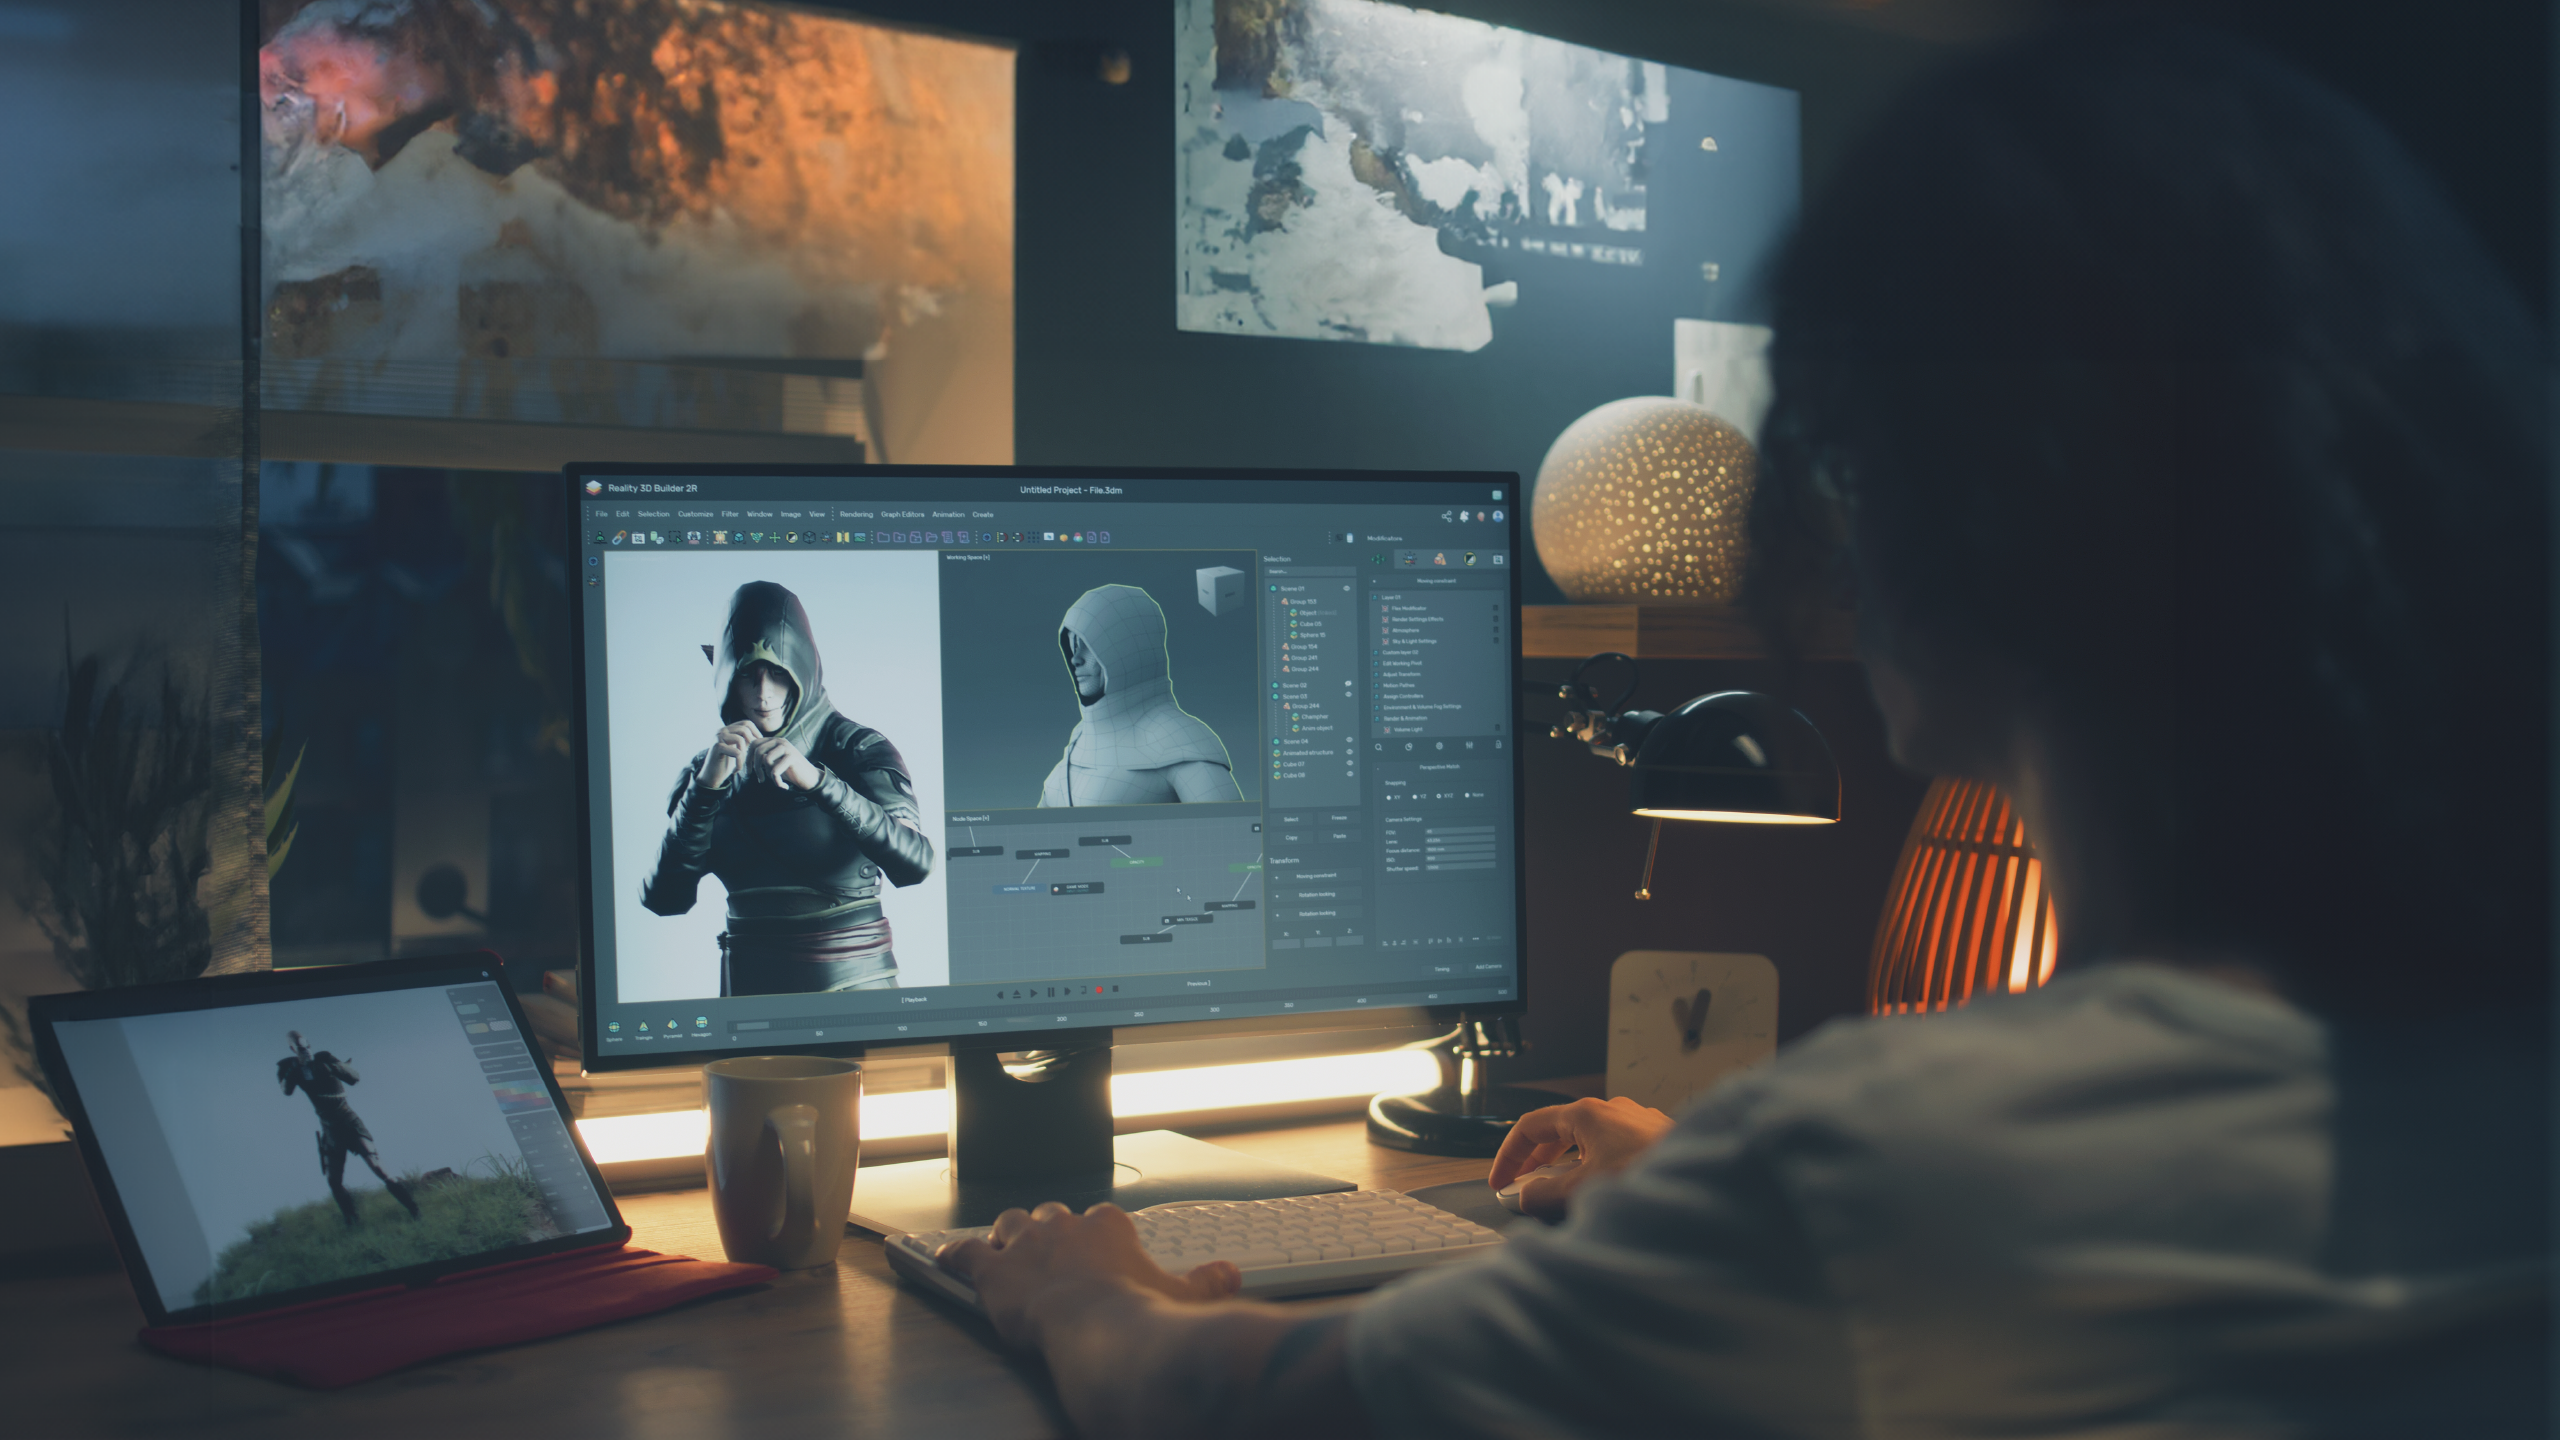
(347, 1338)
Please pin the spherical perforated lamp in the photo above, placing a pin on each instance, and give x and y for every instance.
(1968, 914)
(1645, 500)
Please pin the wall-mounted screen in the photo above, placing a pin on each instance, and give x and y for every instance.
(709, 216)
(1351, 170)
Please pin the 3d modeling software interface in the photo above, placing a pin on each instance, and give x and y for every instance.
(874, 759)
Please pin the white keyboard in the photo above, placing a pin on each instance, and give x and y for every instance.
(1299, 1246)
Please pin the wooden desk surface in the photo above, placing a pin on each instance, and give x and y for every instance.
(841, 1350)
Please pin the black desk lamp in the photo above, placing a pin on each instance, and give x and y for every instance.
(1732, 757)
(1735, 757)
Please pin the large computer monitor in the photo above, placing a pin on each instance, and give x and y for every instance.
(1037, 759)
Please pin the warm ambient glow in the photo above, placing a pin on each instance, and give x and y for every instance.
(617, 1138)
(1968, 913)
(1737, 817)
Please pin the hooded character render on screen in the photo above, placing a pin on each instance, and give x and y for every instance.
(1135, 745)
(799, 811)
(323, 1080)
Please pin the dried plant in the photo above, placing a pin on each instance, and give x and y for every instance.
(22, 1053)
(500, 520)
(118, 863)
(117, 866)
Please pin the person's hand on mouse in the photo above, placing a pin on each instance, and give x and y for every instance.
(1052, 1267)
(1609, 1133)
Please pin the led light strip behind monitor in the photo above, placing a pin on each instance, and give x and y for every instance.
(1015, 752)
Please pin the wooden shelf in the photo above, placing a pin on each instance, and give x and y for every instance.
(120, 427)
(507, 445)
(44, 422)
(1664, 632)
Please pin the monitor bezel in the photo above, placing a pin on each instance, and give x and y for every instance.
(216, 992)
(573, 479)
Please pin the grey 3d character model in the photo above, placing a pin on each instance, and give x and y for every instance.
(1134, 744)
(801, 812)
(323, 1079)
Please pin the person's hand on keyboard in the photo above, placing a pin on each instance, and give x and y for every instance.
(1052, 1264)
(1136, 1350)
(1609, 1133)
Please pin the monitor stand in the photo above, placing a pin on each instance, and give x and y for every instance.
(1043, 1132)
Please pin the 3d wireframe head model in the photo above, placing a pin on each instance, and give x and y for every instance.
(800, 811)
(1134, 744)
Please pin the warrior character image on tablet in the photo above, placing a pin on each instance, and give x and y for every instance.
(323, 1079)
(1134, 744)
(799, 811)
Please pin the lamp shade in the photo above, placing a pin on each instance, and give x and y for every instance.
(1968, 914)
(1645, 499)
(1736, 756)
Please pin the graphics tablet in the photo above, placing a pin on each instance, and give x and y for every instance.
(262, 1140)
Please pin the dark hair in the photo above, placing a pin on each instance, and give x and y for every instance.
(2155, 370)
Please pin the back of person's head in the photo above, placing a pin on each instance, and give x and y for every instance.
(2157, 373)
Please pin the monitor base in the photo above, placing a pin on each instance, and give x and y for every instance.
(1448, 1122)
(1153, 1166)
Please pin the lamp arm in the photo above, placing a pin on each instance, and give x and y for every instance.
(1575, 688)
(1652, 847)
(1612, 737)
(1609, 729)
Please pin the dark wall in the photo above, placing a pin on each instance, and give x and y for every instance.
(1102, 377)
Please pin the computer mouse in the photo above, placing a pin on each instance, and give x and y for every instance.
(1509, 1194)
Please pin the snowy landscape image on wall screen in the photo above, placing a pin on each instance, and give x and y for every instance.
(631, 212)
(1350, 170)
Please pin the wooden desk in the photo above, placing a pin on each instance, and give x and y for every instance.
(845, 1350)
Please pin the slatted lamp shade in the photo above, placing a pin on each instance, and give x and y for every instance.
(1968, 914)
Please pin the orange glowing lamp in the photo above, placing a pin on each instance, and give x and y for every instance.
(1969, 913)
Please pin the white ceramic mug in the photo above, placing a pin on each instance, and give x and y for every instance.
(786, 1134)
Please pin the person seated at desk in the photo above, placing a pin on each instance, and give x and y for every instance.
(2185, 455)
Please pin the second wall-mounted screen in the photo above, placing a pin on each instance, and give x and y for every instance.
(1351, 170)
